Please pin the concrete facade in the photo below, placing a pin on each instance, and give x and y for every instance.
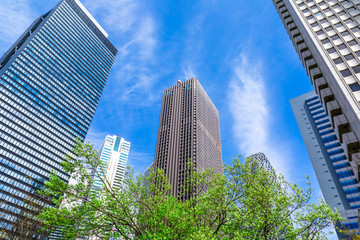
(325, 35)
(337, 180)
(188, 129)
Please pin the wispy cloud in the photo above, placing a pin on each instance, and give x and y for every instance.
(139, 161)
(134, 30)
(251, 114)
(96, 138)
(15, 17)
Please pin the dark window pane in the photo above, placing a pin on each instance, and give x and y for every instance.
(345, 33)
(346, 73)
(355, 87)
(338, 60)
(335, 37)
(352, 43)
(301, 4)
(342, 46)
(357, 53)
(331, 50)
(323, 20)
(356, 69)
(328, 29)
(324, 41)
(338, 25)
(319, 32)
(309, 17)
(305, 10)
(342, 13)
(349, 57)
(349, 20)
(314, 24)
(355, 29)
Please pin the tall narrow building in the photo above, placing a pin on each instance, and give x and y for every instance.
(51, 81)
(336, 177)
(188, 129)
(114, 153)
(326, 36)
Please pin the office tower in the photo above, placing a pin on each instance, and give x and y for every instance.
(51, 81)
(114, 153)
(325, 35)
(333, 169)
(188, 129)
(262, 161)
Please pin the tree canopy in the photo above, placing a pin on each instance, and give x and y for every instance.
(246, 202)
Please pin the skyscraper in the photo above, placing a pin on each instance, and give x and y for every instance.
(325, 35)
(51, 81)
(262, 161)
(114, 153)
(188, 129)
(334, 171)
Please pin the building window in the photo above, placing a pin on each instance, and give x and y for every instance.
(355, 87)
(349, 57)
(346, 73)
(335, 37)
(338, 61)
(314, 24)
(352, 43)
(332, 50)
(341, 46)
(345, 33)
(356, 69)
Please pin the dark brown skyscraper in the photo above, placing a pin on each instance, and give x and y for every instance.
(188, 128)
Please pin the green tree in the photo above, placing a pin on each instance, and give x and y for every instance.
(245, 203)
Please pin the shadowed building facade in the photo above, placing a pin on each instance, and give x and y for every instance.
(189, 128)
(51, 81)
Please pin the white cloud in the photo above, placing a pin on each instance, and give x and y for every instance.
(189, 73)
(133, 26)
(251, 113)
(139, 161)
(15, 17)
(95, 138)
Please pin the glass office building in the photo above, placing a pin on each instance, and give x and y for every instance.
(51, 81)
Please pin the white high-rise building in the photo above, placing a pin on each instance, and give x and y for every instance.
(114, 153)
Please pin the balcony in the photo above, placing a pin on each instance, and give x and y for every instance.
(351, 144)
(326, 95)
(341, 126)
(320, 84)
(333, 109)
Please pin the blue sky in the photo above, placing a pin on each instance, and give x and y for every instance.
(239, 50)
